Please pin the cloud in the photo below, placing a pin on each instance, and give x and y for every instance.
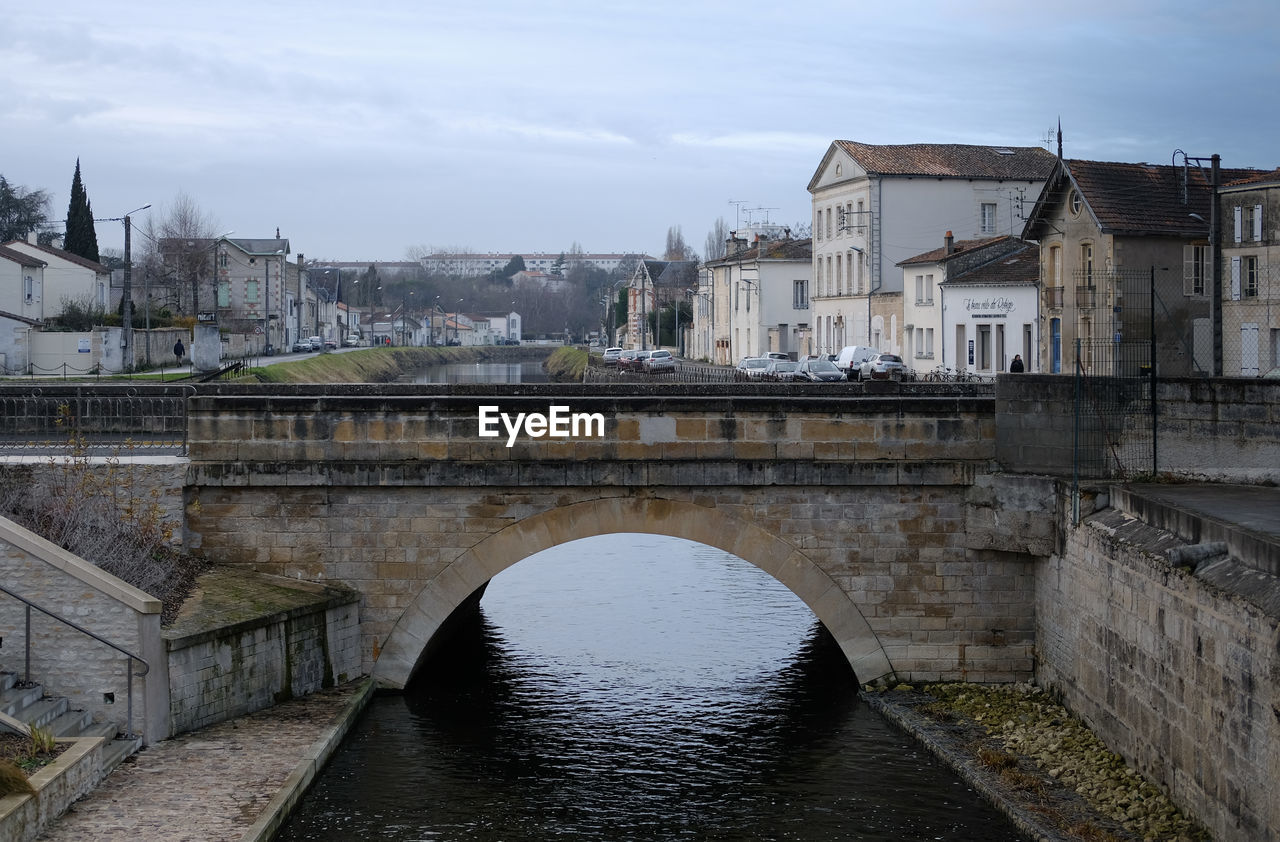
(774, 142)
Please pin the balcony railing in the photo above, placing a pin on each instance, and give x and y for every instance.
(1086, 297)
(1053, 297)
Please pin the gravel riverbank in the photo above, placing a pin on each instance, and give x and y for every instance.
(1040, 766)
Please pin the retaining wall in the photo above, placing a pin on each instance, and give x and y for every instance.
(1179, 676)
(307, 639)
(68, 662)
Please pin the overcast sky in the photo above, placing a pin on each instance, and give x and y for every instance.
(362, 130)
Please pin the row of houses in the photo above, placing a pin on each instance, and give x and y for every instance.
(961, 257)
(253, 295)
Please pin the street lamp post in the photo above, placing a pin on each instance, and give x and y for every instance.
(457, 312)
(127, 291)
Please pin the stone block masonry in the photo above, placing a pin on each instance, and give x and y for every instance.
(67, 662)
(867, 508)
(247, 642)
(1180, 677)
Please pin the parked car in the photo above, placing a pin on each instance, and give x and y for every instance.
(626, 358)
(777, 355)
(780, 370)
(317, 344)
(638, 361)
(352, 341)
(301, 346)
(610, 356)
(330, 345)
(851, 358)
(884, 367)
(820, 370)
(752, 368)
(659, 361)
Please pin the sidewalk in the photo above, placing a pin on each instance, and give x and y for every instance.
(226, 783)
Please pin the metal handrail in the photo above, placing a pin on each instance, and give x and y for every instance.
(27, 644)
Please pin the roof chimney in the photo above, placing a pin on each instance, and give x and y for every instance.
(950, 243)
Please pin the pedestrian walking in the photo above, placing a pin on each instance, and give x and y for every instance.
(178, 350)
(1015, 367)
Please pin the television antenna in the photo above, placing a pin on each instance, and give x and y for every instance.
(754, 210)
(737, 211)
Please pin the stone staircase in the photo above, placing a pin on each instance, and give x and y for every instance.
(30, 705)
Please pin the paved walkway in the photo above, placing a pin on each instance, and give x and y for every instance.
(225, 783)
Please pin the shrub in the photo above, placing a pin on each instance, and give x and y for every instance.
(13, 781)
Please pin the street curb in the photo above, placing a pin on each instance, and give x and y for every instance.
(313, 761)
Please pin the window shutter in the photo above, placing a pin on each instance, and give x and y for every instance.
(1188, 270)
(1257, 223)
(1235, 278)
(1238, 213)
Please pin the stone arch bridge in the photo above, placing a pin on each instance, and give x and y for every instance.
(886, 514)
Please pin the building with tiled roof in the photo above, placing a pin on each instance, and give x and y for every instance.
(877, 205)
(1249, 208)
(755, 300)
(1109, 234)
(653, 285)
(64, 276)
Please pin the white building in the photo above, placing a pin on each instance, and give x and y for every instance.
(64, 276)
(476, 263)
(987, 307)
(875, 206)
(758, 298)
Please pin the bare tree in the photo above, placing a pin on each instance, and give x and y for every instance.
(676, 248)
(717, 238)
(178, 254)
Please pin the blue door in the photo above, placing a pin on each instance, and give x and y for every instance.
(1055, 346)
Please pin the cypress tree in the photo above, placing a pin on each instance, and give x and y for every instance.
(82, 239)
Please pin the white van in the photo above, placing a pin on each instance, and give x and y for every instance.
(851, 358)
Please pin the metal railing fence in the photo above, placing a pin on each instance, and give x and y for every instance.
(26, 676)
(134, 417)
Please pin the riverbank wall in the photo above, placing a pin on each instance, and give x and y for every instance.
(1175, 667)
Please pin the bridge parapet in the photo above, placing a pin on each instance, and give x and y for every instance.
(623, 436)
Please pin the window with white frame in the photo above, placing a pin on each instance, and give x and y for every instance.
(817, 224)
(988, 217)
(1195, 268)
(832, 280)
(928, 342)
(1250, 280)
(828, 223)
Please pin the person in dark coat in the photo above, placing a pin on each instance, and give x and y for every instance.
(178, 350)
(1016, 365)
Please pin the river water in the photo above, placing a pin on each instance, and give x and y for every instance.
(515, 372)
(636, 687)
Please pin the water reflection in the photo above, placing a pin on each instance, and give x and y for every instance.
(636, 687)
(519, 372)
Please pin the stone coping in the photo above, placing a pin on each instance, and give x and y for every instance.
(230, 601)
(1245, 517)
(24, 817)
(76, 567)
(282, 804)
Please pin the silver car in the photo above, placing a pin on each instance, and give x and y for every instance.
(884, 367)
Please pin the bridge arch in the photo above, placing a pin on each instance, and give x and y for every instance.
(407, 644)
